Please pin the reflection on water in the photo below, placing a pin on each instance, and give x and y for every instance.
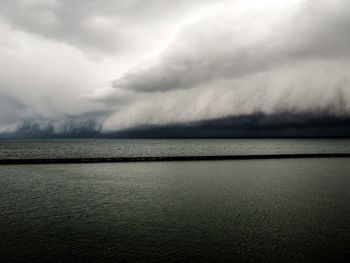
(244, 211)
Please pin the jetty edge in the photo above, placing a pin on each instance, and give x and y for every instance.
(170, 158)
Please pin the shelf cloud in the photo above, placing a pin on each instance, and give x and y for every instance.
(114, 66)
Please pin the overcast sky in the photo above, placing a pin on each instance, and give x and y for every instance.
(121, 64)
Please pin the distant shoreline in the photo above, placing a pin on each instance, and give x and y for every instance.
(170, 158)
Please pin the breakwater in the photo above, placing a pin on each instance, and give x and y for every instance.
(170, 158)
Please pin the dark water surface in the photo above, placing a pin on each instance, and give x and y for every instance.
(99, 148)
(237, 211)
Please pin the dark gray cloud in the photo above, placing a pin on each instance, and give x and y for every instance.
(36, 126)
(256, 125)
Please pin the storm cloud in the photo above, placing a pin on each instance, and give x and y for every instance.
(122, 65)
(229, 47)
(100, 26)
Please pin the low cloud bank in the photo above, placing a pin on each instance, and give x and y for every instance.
(256, 125)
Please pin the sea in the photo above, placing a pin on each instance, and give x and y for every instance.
(273, 210)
